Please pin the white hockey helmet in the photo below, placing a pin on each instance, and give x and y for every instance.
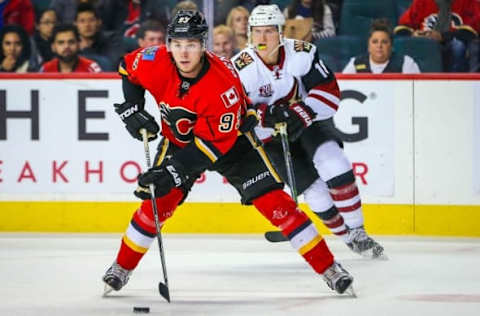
(264, 15)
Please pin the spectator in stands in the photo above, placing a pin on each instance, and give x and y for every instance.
(40, 41)
(151, 33)
(104, 47)
(453, 23)
(184, 5)
(336, 8)
(66, 45)
(19, 12)
(67, 9)
(15, 49)
(380, 58)
(237, 20)
(322, 20)
(223, 41)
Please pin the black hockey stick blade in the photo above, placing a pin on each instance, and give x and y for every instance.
(275, 236)
(163, 289)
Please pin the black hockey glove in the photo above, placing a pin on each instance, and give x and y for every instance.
(135, 118)
(164, 178)
(269, 115)
(300, 117)
(249, 122)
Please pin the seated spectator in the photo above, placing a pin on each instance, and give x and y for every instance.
(223, 41)
(151, 33)
(67, 9)
(319, 11)
(336, 8)
(380, 58)
(104, 47)
(40, 41)
(66, 45)
(237, 20)
(18, 12)
(15, 49)
(453, 23)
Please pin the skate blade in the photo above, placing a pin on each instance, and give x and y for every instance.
(382, 256)
(351, 292)
(371, 254)
(106, 290)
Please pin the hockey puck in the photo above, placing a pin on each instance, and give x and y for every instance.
(138, 309)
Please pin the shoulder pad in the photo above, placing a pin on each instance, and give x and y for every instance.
(301, 46)
(243, 60)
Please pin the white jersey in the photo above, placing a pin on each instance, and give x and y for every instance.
(298, 76)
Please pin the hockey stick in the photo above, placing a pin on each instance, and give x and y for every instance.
(281, 129)
(162, 287)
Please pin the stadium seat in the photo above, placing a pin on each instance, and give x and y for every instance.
(357, 15)
(402, 6)
(40, 5)
(104, 63)
(337, 51)
(129, 44)
(426, 52)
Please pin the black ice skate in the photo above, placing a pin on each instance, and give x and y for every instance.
(115, 278)
(338, 279)
(363, 244)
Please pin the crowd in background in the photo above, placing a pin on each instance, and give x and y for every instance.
(93, 35)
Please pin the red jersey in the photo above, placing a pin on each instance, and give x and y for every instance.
(20, 12)
(83, 65)
(423, 15)
(206, 110)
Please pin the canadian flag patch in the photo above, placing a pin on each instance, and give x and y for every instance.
(230, 97)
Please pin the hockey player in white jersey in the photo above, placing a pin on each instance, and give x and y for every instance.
(288, 83)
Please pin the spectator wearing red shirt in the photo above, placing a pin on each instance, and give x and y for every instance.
(65, 45)
(453, 23)
(19, 12)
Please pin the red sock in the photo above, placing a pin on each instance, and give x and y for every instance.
(279, 208)
(141, 231)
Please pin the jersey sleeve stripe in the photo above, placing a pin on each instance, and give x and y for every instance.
(329, 96)
(162, 153)
(323, 100)
(211, 153)
(122, 70)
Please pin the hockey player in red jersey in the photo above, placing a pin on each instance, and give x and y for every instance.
(204, 126)
(288, 83)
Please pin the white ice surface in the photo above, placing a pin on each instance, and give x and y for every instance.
(50, 274)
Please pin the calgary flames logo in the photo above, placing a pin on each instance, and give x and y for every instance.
(180, 121)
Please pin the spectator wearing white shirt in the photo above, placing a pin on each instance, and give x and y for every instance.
(380, 58)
